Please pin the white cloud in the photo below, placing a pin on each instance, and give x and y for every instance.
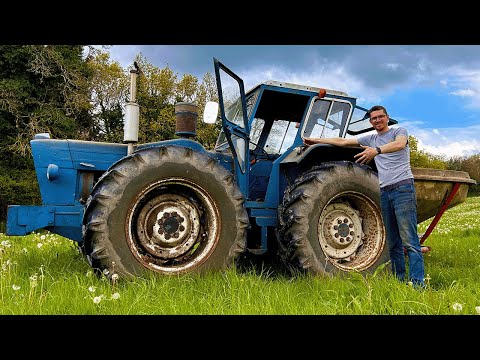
(392, 66)
(464, 93)
(447, 142)
(333, 77)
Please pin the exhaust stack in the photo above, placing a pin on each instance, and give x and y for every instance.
(132, 112)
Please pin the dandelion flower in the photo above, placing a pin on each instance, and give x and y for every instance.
(97, 299)
(457, 307)
(116, 296)
(477, 309)
(91, 289)
(15, 287)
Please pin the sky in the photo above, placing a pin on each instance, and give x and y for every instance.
(432, 90)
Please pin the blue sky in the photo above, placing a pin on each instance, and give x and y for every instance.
(432, 90)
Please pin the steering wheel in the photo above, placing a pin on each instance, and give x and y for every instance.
(258, 155)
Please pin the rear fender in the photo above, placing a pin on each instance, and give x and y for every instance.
(306, 157)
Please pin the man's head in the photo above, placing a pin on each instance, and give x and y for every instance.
(379, 118)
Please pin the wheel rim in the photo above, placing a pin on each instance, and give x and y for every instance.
(172, 226)
(350, 231)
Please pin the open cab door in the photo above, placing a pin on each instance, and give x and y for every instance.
(233, 110)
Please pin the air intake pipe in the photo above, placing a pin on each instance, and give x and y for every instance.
(186, 119)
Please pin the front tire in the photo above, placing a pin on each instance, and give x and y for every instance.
(168, 210)
(331, 221)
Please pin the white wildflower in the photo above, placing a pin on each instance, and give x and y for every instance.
(477, 309)
(457, 307)
(15, 287)
(97, 299)
(116, 296)
(39, 245)
(33, 280)
(25, 250)
(91, 289)
(114, 277)
(410, 283)
(6, 243)
(42, 237)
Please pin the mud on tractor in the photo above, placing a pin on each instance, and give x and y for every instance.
(173, 207)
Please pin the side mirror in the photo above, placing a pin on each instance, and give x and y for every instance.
(210, 113)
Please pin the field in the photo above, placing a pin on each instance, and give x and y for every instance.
(43, 273)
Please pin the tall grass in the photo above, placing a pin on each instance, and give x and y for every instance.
(45, 274)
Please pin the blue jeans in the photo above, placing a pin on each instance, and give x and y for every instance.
(399, 211)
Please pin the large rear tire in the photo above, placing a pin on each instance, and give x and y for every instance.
(168, 210)
(330, 221)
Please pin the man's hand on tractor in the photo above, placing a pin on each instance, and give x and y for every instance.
(366, 155)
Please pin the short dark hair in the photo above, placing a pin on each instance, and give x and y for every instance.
(375, 108)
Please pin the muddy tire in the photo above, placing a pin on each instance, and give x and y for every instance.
(331, 223)
(167, 210)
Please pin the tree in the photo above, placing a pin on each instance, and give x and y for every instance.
(420, 158)
(156, 94)
(109, 87)
(43, 88)
(207, 134)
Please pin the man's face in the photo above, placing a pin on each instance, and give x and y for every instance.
(379, 120)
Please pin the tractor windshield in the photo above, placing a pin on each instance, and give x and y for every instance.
(327, 118)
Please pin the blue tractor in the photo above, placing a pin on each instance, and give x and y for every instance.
(173, 207)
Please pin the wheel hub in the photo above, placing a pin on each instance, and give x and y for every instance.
(340, 230)
(168, 226)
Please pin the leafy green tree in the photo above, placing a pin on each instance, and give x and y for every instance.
(470, 164)
(43, 88)
(156, 94)
(109, 89)
(422, 159)
(207, 134)
(187, 88)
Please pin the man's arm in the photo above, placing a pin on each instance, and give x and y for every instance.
(399, 143)
(337, 141)
(369, 153)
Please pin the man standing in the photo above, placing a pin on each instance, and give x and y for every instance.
(389, 147)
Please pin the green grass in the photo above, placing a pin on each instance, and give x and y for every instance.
(44, 274)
